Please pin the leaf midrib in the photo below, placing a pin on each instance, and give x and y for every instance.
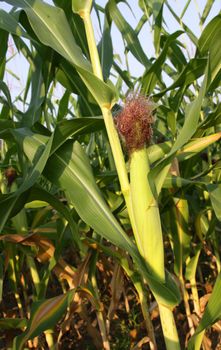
(93, 196)
(56, 38)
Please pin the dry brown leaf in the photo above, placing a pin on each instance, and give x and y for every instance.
(116, 286)
(45, 247)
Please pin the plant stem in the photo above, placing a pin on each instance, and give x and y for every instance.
(195, 296)
(138, 284)
(169, 328)
(109, 121)
(150, 206)
(147, 319)
(95, 60)
(49, 339)
(99, 312)
(187, 306)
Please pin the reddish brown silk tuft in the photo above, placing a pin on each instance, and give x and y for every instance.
(135, 121)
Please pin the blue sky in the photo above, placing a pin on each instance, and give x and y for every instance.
(191, 19)
(19, 66)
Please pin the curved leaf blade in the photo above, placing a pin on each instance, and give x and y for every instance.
(44, 315)
(74, 175)
(128, 33)
(210, 42)
(52, 28)
(211, 315)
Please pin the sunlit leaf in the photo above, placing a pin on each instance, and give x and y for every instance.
(74, 175)
(128, 33)
(210, 42)
(9, 23)
(52, 28)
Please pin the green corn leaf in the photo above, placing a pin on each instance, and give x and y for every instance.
(70, 79)
(197, 145)
(74, 128)
(44, 315)
(105, 50)
(158, 174)
(76, 24)
(181, 238)
(124, 75)
(152, 6)
(185, 8)
(157, 30)
(192, 71)
(13, 323)
(215, 197)
(183, 25)
(38, 193)
(11, 25)
(33, 114)
(177, 57)
(206, 11)
(80, 187)
(212, 119)
(211, 315)
(151, 77)
(5, 126)
(50, 25)
(128, 33)
(8, 202)
(3, 52)
(74, 175)
(191, 264)
(63, 106)
(6, 92)
(210, 42)
(156, 6)
(39, 164)
(158, 151)
(191, 119)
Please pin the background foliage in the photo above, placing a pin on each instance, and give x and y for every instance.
(67, 251)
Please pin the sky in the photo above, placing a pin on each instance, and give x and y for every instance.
(19, 66)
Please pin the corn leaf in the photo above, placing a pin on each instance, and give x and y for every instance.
(74, 175)
(128, 33)
(8, 202)
(210, 42)
(51, 26)
(206, 11)
(44, 315)
(74, 128)
(211, 315)
(215, 197)
(153, 75)
(13, 323)
(10, 24)
(189, 128)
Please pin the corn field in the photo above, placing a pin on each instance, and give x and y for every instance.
(110, 190)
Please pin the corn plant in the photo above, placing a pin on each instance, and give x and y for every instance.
(115, 183)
